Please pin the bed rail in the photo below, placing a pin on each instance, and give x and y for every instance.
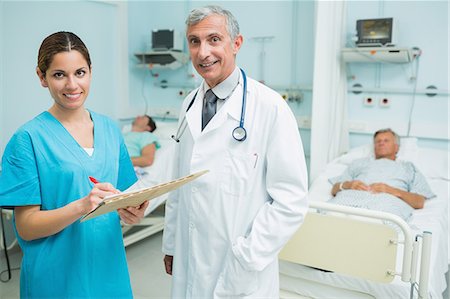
(333, 239)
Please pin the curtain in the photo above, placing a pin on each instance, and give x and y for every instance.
(329, 132)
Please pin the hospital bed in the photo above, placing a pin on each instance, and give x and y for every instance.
(345, 252)
(158, 172)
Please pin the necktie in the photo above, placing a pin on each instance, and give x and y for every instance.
(210, 107)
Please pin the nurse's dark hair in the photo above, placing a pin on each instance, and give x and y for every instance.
(151, 123)
(388, 130)
(60, 42)
(198, 14)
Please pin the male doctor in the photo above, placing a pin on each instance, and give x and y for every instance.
(224, 230)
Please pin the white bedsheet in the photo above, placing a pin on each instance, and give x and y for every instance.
(432, 218)
(161, 169)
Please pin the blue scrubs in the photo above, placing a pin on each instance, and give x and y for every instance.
(43, 165)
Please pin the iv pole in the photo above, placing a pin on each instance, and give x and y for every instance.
(262, 54)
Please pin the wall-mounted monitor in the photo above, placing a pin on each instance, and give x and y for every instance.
(166, 39)
(374, 32)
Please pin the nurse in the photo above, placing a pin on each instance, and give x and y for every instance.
(45, 178)
(224, 231)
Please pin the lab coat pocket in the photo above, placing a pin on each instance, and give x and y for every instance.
(239, 169)
(234, 280)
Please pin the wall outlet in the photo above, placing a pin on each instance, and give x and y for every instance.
(357, 126)
(369, 101)
(181, 93)
(304, 122)
(169, 113)
(384, 102)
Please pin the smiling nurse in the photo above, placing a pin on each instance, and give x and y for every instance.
(45, 178)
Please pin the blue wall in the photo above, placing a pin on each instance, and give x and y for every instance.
(23, 26)
(422, 24)
(288, 61)
(283, 68)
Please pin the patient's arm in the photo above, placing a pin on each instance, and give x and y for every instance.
(355, 185)
(147, 156)
(413, 199)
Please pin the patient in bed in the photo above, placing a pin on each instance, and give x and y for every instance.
(141, 142)
(382, 183)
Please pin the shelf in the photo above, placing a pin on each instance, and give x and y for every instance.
(162, 59)
(378, 54)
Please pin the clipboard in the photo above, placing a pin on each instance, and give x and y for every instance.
(137, 197)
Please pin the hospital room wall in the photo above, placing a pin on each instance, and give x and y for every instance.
(288, 55)
(23, 26)
(422, 24)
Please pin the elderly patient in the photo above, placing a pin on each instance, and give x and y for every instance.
(141, 142)
(382, 183)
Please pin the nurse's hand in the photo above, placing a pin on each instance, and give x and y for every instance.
(100, 191)
(132, 215)
(168, 261)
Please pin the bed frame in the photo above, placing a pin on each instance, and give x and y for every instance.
(149, 225)
(7, 215)
(355, 242)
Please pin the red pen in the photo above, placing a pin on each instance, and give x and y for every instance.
(93, 180)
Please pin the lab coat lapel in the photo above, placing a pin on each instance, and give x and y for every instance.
(194, 115)
(232, 107)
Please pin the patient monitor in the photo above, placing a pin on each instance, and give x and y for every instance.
(374, 32)
(167, 39)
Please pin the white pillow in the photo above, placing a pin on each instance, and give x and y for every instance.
(433, 163)
(408, 151)
(165, 130)
(126, 128)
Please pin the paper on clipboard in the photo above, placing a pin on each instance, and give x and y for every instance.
(136, 198)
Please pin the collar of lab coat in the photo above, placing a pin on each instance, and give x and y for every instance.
(231, 107)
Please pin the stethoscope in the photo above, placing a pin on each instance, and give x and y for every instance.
(239, 133)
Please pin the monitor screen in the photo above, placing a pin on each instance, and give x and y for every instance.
(374, 31)
(162, 39)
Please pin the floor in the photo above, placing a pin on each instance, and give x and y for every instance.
(145, 260)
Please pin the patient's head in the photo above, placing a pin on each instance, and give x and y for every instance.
(143, 123)
(386, 144)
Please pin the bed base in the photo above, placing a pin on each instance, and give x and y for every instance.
(344, 230)
(149, 225)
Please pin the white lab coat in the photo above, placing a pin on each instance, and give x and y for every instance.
(226, 228)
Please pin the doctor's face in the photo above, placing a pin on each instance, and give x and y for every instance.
(68, 79)
(213, 52)
(385, 146)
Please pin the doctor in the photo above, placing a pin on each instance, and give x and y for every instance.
(224, 231)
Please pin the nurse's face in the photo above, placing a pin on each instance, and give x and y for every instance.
(68, 79)
(212, 51)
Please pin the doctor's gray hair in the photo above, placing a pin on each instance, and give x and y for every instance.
(388, 130)
(198, 14)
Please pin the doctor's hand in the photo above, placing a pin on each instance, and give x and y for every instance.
(132, 215)
(168, 261)
(91, 201)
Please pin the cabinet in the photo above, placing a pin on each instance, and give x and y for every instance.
(379, 54)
